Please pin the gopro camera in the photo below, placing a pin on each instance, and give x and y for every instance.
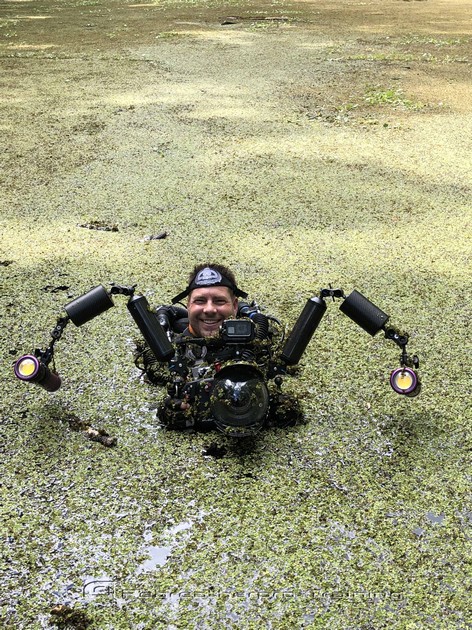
(238, 330)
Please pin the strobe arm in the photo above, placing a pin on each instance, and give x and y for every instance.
(404, 380)
(365, 314)
(34, 368)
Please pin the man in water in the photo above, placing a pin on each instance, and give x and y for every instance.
(211, 298)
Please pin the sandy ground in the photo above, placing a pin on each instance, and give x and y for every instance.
(302, 143)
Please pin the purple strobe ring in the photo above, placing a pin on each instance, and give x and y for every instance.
(37, 367)
(414, 380)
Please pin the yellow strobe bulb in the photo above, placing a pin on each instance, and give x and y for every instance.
(404, 380)
(27, 367)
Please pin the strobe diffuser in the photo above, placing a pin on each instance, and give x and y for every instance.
(30, 369)
(405, 381)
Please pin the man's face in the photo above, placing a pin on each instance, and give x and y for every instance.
(208, 308)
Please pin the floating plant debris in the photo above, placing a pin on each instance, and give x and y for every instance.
(155, 237)
(49, 288)
(95, 435)
(63, 616)
(99, 225)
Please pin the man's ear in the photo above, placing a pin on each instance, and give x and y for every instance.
(235, 305)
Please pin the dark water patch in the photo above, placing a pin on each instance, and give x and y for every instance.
(435, 519)
(213, 450)
(63, 616)
(157, 558)
(157, 555)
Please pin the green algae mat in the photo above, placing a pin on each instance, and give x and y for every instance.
(302, 144)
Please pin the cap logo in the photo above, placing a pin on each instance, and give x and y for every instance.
(207, 277)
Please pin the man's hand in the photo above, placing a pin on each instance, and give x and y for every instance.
(177, 404)
(174, 413)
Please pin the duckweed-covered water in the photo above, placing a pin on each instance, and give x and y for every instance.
(302, 144)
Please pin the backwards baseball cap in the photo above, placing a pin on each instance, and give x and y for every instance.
(209, 277)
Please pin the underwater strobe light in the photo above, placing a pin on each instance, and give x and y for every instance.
(405, 381)
(30, 369)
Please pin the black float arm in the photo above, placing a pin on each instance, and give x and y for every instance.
(34, 367)
(98, 300)
(358, 308)
(372, 320)
(81, 310)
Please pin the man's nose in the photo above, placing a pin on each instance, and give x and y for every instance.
(210, 306)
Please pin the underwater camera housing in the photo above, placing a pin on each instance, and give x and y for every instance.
(232, 381)
(228, 388)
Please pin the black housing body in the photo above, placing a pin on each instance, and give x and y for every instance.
(237, 331)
